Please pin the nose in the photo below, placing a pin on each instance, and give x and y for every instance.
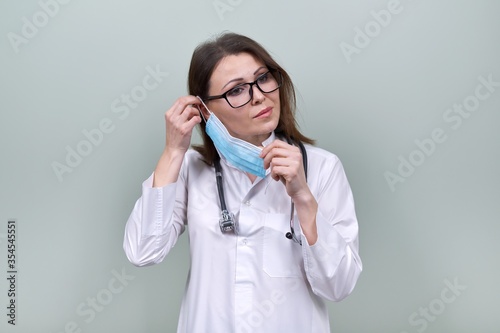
(257, 95)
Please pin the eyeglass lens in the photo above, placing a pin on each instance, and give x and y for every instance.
(242, 93)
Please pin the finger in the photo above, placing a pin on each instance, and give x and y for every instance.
(281, 161)
(196, 119)
(287, 152)
(188, 113)
(276, 152)
(275, 144)
(186, 126)
(287, 168)
(179, 120)
(182, 103)
(280, 173)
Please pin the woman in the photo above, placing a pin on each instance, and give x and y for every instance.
(267, 245)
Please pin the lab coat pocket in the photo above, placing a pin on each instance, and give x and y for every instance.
(282, 257)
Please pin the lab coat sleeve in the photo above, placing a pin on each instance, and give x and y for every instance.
(157, 220)
(333, 264)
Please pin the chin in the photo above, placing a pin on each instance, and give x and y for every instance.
(269, 127)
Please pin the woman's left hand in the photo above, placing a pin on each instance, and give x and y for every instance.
(286, 165)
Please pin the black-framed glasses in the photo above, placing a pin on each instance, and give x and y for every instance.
(243, 93)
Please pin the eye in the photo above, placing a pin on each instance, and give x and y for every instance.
(263, 78)
(238, 90)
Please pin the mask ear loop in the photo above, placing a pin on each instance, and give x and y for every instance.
(198, 107)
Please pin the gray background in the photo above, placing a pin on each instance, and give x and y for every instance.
(438, 227)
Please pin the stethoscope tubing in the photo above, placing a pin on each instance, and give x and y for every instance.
(227, 222)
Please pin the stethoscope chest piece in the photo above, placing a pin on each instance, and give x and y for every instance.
(227, 222)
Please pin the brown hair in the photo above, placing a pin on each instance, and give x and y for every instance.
(203, 62)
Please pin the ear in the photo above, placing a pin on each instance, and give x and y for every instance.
(203, 109)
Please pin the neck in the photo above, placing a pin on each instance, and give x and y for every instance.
(251, 177)
(257, 140)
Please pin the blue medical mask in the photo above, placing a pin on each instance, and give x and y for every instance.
(239, 153)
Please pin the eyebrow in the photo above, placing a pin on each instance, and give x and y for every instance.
(241, 79)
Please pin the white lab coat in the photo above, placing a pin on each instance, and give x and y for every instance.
(258, 280)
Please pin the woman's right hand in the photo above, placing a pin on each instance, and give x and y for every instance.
(180, 120)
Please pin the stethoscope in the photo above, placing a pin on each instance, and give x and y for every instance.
(227, 222)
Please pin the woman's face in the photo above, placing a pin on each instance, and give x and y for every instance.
(254, 121)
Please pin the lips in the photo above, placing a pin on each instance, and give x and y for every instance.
(264, 113)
